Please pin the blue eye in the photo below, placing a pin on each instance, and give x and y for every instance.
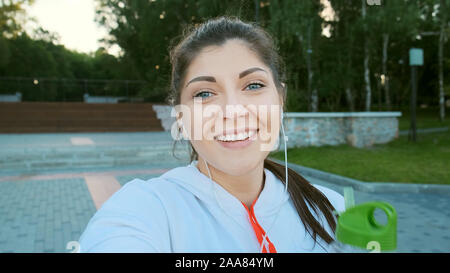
(200, 93)
(257, 84)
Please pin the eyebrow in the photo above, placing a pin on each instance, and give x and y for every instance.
(212, 79)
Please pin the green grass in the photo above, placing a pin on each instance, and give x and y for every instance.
(425, 118)
(427, 161)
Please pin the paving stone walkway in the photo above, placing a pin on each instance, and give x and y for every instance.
(423, 219)
(45, 200)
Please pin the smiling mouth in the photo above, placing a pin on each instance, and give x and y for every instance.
(237, 137)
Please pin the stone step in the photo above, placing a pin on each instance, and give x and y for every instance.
(53, 165)
(49, 158)
(86, 150)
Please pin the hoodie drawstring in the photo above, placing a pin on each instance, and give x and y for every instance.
(259, 231)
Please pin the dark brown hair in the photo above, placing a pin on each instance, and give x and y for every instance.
(216, 32)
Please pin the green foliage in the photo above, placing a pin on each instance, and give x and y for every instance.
(10, 25)
(5, 54)
(145, 30)
(59, 71)
(296, 27)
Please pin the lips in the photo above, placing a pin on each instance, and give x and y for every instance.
(237, 144)
(236, 135)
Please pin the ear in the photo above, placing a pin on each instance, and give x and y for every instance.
(281, 97)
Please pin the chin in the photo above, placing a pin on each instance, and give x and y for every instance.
(238, 166)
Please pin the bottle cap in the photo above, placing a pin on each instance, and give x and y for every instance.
(358, 227)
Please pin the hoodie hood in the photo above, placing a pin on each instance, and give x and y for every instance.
(269, 201)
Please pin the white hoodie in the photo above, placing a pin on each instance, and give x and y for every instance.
(184, 211)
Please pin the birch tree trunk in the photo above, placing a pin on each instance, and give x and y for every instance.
(314, 100)
(310, 78)
(349, 97)
(313, 92)
(348, 87)
(349, 80)
(379, 87)
(384, 71)
(441, 60)
(366, 61)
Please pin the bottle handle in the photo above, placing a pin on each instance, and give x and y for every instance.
(388, 209)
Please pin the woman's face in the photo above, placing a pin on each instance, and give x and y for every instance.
(228, 90)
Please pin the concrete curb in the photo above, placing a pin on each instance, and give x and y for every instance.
(425, 131)
(369, 187)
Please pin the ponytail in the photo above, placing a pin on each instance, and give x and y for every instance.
(302, 191)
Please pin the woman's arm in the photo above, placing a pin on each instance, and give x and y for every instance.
(132, 220)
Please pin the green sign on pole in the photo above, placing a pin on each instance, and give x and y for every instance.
(415, 60)
(415, 56)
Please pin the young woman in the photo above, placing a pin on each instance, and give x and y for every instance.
(230, 198)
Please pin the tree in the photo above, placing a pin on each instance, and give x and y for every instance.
(442, 38)
(435, 23)
(395, 21)
(10, 24)
(368, 88)
(297, 25)
(145, 29)
(344, 49)
(4, 52)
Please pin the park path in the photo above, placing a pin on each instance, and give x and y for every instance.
(423, 219)
(52, 184)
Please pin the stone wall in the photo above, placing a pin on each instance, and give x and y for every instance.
(101, 99)
(17, 97)
(359, 129)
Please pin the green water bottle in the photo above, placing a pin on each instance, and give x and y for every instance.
(357, 230)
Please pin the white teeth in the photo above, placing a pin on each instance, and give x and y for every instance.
(240, 136)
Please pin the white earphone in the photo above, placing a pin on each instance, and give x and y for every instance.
(181, 126)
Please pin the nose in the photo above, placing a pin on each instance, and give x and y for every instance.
(233, 107)
(235, 117)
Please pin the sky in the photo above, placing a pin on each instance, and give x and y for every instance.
(72, 20)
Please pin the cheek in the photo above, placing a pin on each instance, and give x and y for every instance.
(192, 121)
(201, 135)
(269, 120)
